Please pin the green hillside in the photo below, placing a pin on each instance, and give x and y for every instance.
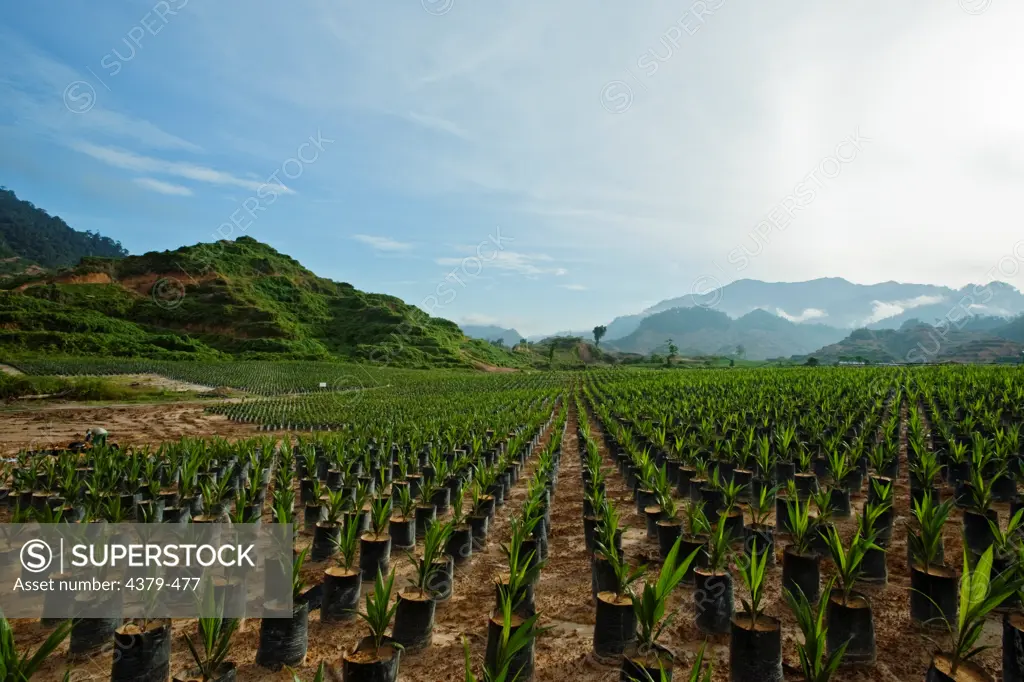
(238, 299)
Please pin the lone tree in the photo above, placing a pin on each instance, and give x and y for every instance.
(599, 332)
(673, 352)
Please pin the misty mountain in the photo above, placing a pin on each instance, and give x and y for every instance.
(979, 339)
(586, 335)
(838, 303)
(703, 331)
(491, 332)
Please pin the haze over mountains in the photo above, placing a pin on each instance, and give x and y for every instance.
(835, 302)
(763, 320)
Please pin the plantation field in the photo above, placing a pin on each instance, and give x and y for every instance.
(667, 514)
(257, 377)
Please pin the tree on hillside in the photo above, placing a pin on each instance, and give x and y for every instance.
(673, 352)
(599, 332)
(551, 356)
(33, 234)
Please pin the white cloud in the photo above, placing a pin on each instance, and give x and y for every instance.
(126, 160)
(886, 309)
(163, 187)
(382, 243)
(530, 265)
(807, 314)
(573, 287)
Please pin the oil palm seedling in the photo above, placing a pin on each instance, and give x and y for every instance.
(980, 594)
(607, 534)
(21, 666)
(460, 542)
(713, 596)
(524, 567)
(755, 649)
(731, 514)
(509, 654)
(840, 469)
(874, 566)
(933, 586)
(979, 512)
(765, 459)
(284, 631)
(1007, 549)
(426, 511)
(211, 653)
(402, 526)
(881, 492)
(815, 664)
(801, 569)
(694, 534)
(414, 619)
(326, 531)
(667, 525)
(806, 481)
(760, 534)
(342, 582)
(376, 657)
(883, 458)
(375, 544)
(615, 630)
(923, 472)
(821, 499)
(850, 617)
(361, 505)
(651, 618)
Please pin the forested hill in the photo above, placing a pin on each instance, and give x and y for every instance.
(35, 237)
(229, 299)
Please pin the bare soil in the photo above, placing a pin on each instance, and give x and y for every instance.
(51, 426)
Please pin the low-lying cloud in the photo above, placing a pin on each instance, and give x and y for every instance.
(807, 314)
(885, 309)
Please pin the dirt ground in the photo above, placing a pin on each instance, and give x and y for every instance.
(563, 595)
(161, 383)
(43, 426)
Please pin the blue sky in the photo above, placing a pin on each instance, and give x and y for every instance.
(625, 155)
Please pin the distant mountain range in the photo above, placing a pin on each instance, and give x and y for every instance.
(838, 303)
(980, 339)
(490, 332)
(764, 320)
(758, 335)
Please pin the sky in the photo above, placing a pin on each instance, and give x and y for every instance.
(539, 165)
